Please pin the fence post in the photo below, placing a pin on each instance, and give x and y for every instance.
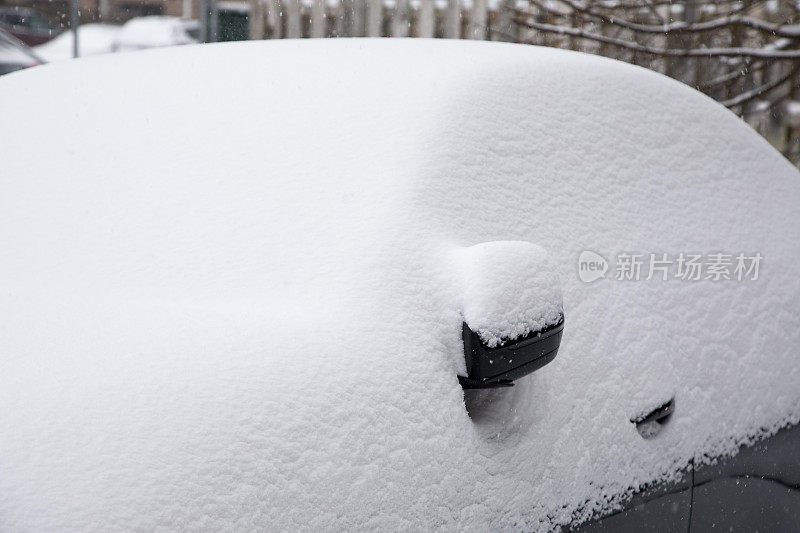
(426, 19)
(360, 18)
(505, 23)
(477, 20)
(400, 20)
(348, 13)
(374, 18)
(452, 20)
(317, 19)
(257, 29)
(339, 18)
(291, 10)
(354, 16)
(275, 19)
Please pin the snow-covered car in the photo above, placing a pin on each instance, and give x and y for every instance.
(93, 39)
(246, 309)
(136, 34)
(15, 55)
(155, 31)
(27, 24)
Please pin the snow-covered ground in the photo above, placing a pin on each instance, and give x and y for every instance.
(241, 309)
(153, 32)
(136, 34)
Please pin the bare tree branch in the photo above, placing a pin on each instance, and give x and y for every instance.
(765, 53)
(758, 91)
(777, 30)
(729, 76)
(735, 51)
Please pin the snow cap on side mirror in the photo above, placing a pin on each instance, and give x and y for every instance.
(513, 311)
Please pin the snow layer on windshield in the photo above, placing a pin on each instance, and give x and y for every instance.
(231, 301)
(510, 289)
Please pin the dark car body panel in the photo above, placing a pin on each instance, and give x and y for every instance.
(756, 489)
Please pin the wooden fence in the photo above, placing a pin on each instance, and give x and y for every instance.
(453, 19)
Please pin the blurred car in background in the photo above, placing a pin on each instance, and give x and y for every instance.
(15, 55)
(155, 31)
(28, 25)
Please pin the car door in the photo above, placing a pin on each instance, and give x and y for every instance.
(758, 489)
(660, 507)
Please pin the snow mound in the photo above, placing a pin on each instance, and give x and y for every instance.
(93, 39)
(510, 289)
(240, 309)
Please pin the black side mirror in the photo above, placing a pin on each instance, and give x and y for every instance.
(500, 366)
(512, 314)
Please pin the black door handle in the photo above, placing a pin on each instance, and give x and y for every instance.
(649, 425)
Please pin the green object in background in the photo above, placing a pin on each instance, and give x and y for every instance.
(233, 25)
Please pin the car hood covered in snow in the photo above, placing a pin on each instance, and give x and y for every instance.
(232, 299)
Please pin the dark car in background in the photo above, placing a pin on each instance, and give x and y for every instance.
(28, 25)
(15, 55)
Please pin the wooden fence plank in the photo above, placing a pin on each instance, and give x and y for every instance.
(426, 19)
(374, 18)
(477, 20)
(318, 23)
(452, 24)
(291, 17)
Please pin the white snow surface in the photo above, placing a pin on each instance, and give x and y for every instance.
(231, 302)
(510, 289)
(93, 39)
